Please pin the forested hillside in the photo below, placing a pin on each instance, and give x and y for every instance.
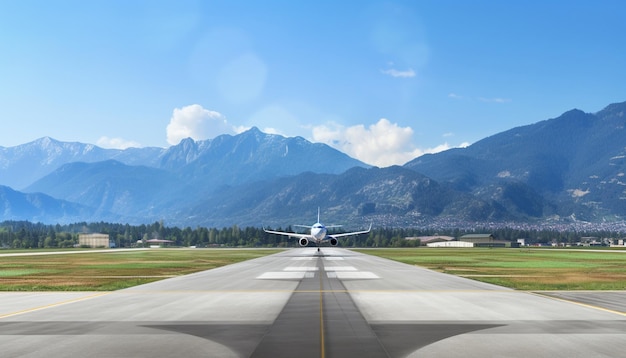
(26, 235)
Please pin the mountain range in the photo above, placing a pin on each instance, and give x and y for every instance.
(571, 166)
(565, 169)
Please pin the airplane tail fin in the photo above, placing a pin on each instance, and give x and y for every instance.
(318, 214)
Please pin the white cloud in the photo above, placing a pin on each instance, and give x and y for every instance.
(381, 144)
(399, 74)
(440, 148)
(240, 129)
(116, 143)
(271, 130)
(196, 122)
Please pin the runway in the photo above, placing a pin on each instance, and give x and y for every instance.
(299, 303)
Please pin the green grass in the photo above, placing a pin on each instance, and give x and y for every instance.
(522, 269)
(112, 270)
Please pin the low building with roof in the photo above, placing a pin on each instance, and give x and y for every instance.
(450, 244)
(425, 240)
(94, 240)
(484, 240)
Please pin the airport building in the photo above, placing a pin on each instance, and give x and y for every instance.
(94, 240)
(450, 244)
(429, 240)
(426, 240)
(485, 240)
(470, 240)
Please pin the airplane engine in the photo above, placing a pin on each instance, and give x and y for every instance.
(333, 242)
(303, 242)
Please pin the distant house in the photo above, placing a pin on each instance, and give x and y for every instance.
(484, 240)
(93, 240)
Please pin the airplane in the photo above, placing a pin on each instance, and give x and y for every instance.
(319, 233)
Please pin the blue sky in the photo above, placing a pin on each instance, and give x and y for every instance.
(384, 81)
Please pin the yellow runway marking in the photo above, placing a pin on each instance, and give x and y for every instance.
(29, 310)
(580, 303)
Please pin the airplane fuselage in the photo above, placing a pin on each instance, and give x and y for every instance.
(318, 232)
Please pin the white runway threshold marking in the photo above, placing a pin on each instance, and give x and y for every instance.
(301, 268)
(285, 275)
(347, 275)
(300, 272)
(340, 268)
(342, 275)
(290, 273)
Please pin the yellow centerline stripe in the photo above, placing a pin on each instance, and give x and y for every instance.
(580, 303)
(29, 310)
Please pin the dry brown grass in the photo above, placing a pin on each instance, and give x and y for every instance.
(524, 269)
(111, 270)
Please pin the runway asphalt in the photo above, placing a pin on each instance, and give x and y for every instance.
(299, 303)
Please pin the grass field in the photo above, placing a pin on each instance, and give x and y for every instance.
(522, 269)
(111, 270)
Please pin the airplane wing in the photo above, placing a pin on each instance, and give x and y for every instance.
(351, 233)
(290, 234)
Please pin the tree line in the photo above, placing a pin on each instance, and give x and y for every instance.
(27, 235)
